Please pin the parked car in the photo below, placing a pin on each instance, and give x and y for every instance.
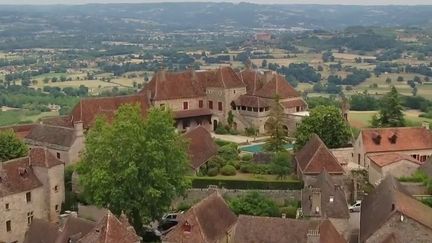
(166, 225)
(355, 207)
(150, 234)
(171, 216)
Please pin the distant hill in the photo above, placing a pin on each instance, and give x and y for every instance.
(177, 16)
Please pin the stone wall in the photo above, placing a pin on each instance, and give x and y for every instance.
(195, 195)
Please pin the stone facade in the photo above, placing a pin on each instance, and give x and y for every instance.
(397, 169)
(43, 201)
(405, 228)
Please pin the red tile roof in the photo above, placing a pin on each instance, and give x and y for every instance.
(110, 230)
(207, 221)
(201, 146)
(277, 230)
(20, 130)
(192, 113)
(407, 138)
(17, 176)
(277, 86)
(315, 157)
(253, 80)
(294, 103)
(389, 158)
(43, 158)
(252, 101)
(87, 109)
(388, 198)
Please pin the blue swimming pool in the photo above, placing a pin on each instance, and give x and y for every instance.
(256, 148)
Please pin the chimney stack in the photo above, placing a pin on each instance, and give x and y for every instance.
(79, 129)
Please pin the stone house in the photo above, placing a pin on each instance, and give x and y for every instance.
(315, 157)
(79, 230)
(426, 167)
(394, 164)
(201, 147)
(30, 187)
(206, 97)
(64, 142)
(326, 199)
(280, 230)
(413, 141)
(390, 213)
(209, 221)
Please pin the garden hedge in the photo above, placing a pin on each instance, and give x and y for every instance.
(205, 182)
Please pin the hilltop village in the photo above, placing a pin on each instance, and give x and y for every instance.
(368, 190)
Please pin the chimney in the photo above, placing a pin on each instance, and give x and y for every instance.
(313, 236)
(79, 129)
(162, 75)
(425, 125)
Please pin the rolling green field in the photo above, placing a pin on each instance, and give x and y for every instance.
(22, 116)
(361, 119)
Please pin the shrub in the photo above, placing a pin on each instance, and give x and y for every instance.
(290, 211)
(228, 152)
(221, 130)
(254, 203)
(216, 161)
(221, 142)
(183, 206)
(204, 182)
(251, 131)
(214, 171)
(418, 176)
(246, 157)
(228, 170)
(235, 163)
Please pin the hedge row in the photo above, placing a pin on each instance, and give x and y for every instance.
(246, 184)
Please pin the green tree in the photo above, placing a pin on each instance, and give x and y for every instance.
(254, 203)
(136, 165)
(264, 63)
(276, 128)
(327, 122)
(388, 80)
(230, 119)
(11, 147)
(282, 165)
(400, 79)
(391, 111)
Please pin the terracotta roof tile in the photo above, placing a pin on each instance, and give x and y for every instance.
(252, 101)
(294, 103)
(74, 227)
(87, 109)
(41, 231)
(20, 130)
(278, 230)
(110, 230)
(407, 138)
(207, 221)
(389, 158)
(47, 135)
(43, 158)
(192, 113)
(315, 157)
(391, 238)
(387, 198)
(277, 86)
(337, 208)
(253, 79)
(201, 146)
(17, 176)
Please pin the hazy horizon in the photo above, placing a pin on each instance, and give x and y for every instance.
(332, 2)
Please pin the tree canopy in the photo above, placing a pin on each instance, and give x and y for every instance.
(254, 203)
(11, 147)
(391, 111)
(276, 129)
(282, 164)
(327, 122)
(134, 164)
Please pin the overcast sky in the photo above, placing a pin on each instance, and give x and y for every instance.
(353, 2)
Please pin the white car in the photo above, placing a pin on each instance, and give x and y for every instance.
(171, 216)
(355, 207)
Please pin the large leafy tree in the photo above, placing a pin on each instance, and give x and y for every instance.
(254, 203)
(136, 165)
(327, 122)
(276, 128)
(11, 147)
(282, 164)
(391, 111)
